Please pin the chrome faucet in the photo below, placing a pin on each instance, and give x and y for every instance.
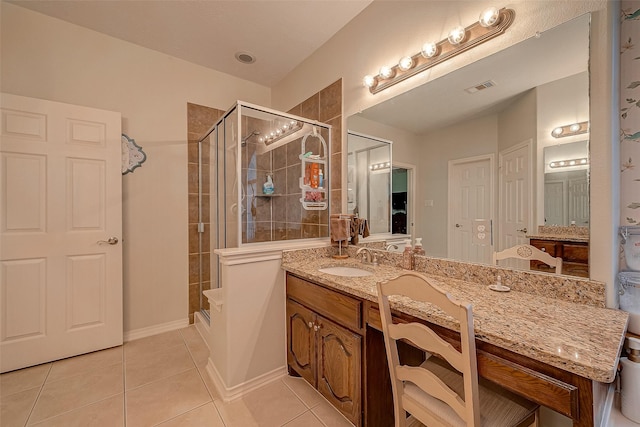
(368, 257)
(389, 246)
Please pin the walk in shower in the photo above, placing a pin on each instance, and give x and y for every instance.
(267, 175)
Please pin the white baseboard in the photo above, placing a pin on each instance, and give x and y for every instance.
(202, 326)
(235, 392)
(155, 329)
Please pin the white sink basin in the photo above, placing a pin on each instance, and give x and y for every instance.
(345, 271)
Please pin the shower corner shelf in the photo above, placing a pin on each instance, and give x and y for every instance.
(269, 195)
(319, 202)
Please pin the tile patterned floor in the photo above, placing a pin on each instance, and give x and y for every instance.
(155, 381)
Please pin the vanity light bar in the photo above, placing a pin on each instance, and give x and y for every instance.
(379, 166)
(288, 128)
(570, 130)
(492, 23)
(568, 163)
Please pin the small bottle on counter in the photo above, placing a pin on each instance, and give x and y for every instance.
(418, 249)
(407, 256)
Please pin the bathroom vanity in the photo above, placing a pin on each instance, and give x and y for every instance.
(574, 253)
(560, 354)
(569, 243)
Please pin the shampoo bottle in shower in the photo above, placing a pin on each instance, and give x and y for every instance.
(267, 187)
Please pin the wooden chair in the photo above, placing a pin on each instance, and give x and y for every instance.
(531, 253)
(438, 393)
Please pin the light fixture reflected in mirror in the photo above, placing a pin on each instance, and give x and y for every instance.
(570, 130)
(492, 23)
(280, 132)
(569, 163)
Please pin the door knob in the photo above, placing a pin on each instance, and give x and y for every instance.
(523, 230)
(110, 241)
(458, 225)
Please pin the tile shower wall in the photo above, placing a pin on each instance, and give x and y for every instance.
(282, 217)
(199, 120)
(630, 113)
(326, 107)
(290, 219)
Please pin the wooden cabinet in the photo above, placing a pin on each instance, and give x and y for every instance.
(575, 256)
(324, 343)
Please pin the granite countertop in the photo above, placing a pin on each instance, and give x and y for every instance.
(578, 338)
(559, 237)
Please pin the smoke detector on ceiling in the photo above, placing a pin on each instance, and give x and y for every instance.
(481, 86)
(245, 57)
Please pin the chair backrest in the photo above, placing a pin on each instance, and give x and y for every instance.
(420, 288)
(531, 253)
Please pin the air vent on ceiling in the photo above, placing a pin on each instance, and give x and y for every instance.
(481, 86)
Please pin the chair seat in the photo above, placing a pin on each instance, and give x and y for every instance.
(498, 407)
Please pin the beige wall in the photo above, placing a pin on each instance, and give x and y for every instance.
(43, 57)
(385, 31)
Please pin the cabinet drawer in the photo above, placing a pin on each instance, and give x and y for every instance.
(574, 252)
(575, 269)
(541, 266)
(545, 245)
(340, 308)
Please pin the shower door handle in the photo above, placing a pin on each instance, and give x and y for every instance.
(109, 241)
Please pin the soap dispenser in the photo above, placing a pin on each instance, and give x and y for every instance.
(407, 256)
(267, 187)
(417, 249)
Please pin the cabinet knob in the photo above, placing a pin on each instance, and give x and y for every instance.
(522, 230)
(543, 249)
(310, 324)
(317, 327)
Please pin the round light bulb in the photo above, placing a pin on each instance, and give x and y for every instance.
(261, 139)
(574, 127)
(429, 50)
(583, 161)
(489, 17)
(556, 132)
(285, 126)
(562, 163)
(369, 81)
(405, 63)
(457, 35)
(552, 164)
(572, 162)
(278, 132)
(386, 72)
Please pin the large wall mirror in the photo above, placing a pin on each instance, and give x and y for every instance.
(481, 140)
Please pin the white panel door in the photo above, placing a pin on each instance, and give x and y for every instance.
(60, 221)
(470, 198)
(515, 200)
(554, 203)
(579, 201)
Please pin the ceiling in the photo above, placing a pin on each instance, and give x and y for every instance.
(557, 53)
(279, 34)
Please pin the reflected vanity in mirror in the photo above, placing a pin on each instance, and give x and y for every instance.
(479, 136)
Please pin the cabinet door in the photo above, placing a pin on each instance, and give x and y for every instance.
(301, 341)
(339, 356)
